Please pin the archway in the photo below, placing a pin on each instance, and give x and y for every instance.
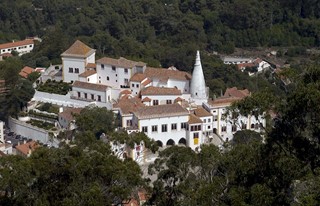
(182, 141)
(159, 143)
(215, 130)
(170, 142)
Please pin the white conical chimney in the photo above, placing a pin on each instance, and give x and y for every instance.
(198, 85)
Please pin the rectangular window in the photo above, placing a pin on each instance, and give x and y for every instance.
(174, 126)
(183, 125)
(70, 70)
(132, 85)
(126, 81)
(107, 78)
(169, 101)
(199, 128)
(234, 128)
(113, 68)
(76, 70)
(99, 98)
(164, 128)
(92, 96)
(223, 128)
(154, 128)
(137, 85)
(126, 71)
(244, 126)
(196, 138)
(129, 123)
(204, 120)
(215, 118)
(209, 120)
(145, 129)
(155, 102)
(102, 66)
(30, 45)
(85, 95)
(79, 94)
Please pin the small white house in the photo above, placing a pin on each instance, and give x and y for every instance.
(91, 92)
(22, 47)
(75, 60)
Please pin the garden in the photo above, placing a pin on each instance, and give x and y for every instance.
(53, 86)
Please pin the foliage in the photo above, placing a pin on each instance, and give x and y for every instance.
(96, 120)
(33, 76)
(54, 87)
(48, 107)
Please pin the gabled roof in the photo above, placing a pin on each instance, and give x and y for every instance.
(138, 77)
(91, 65)
(126, 91)
(90, 86)
(201, 112)
(25, 148)
(165, 74)
(146, 99)
(88, 73)
(127, 104)
(26, 71)
(68, 113)
(167, 110)
(160, 91)
(78, 49)
(193, 119)
(121, 62)
(16, 44)
(234, 92)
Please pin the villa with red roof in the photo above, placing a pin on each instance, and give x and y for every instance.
(22, 47)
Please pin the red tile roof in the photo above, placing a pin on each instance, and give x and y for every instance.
(26, 71)
(128, 105)
(146, 82)
(167, 110)
(78, 49)
(165, 74)
(16, 44)
(90, 86)
(223, 101)
(68, 113)
(25, 148)
(91, 65)
(234, 92)
(160, 91)
(193, 119)
(138, 77)
(125, 91)
(201, 112)
(121, 62)
(146, 99)
(88, 73)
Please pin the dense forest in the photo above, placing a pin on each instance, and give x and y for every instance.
(284, 169)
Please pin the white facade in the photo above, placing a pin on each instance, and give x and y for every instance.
(182, 85)
(116, 77)
(1, 132)
(164, 129)
(236, 60)
(161, 99)
(22, 47)
(90, 79)
(91, 95)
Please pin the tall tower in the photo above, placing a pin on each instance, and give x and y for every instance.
(198, 85)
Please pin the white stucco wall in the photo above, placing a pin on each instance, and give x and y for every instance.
(182, 85)
(72, 62)
(95, 94)
(20, 49)
(161, 98)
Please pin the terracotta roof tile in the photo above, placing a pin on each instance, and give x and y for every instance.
(78, 49)
(178, 99)
(165, 74)
(125, 91)
(160, 91)
(167, 110)
(138, 77)
(87, 73)
(25, 148)
(223, 101)
(146, 99)
(90, 86)
(121, 62)
(68, 113)
(146, 82)
(193, 119)
(128, 105)
(234, 92)
(26, 71)
(91, 65)
(201, 112)
(16, 44)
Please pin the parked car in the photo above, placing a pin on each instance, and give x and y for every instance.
(10, 133)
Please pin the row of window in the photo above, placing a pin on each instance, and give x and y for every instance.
(74, 70)
(91, 95)
(164, 127)
(156, 102)
(243, 126)
(114, 68)
(15, 48)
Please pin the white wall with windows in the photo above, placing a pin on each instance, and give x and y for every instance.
(182, 85)
(161, 99)
(91, 95)
(164, 129)
(72, 67)
(194, 135)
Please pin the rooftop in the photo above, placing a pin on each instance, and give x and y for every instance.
(78, 49)
(68, 113)
(201, 112)
(121, 62)
(90, 86)
(167, 110)
(28, 147)
(193, 119)
(16, 44)
(235, 92)
(165, 74)
(88, 73)
(138, 77)
(160, 91)
(26, 71)
(128, 104)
